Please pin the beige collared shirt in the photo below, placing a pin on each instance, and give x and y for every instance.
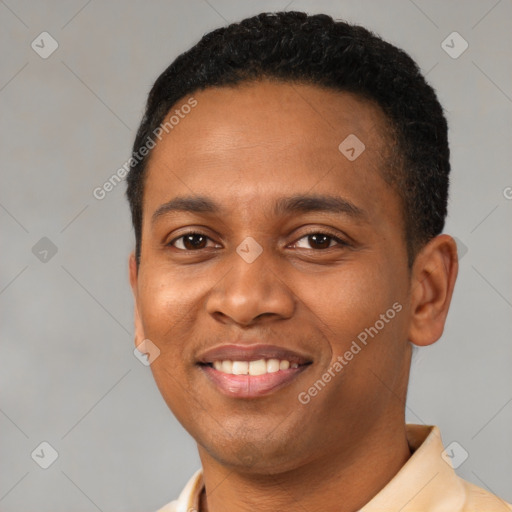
(426, 482)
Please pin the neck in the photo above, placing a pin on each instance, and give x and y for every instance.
(339, 482)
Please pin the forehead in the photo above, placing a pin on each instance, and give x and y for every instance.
(259, 140)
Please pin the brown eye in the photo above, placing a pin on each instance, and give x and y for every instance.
(190, 242)
(320, 241)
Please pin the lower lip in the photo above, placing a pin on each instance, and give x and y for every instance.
(251, 386)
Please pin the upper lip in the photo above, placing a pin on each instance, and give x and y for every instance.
(251, 353)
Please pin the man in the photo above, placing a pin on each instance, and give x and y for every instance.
(288, 194)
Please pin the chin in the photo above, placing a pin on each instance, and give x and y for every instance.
(256, 456)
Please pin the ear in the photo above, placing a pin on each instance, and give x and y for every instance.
(433, 280)
(139, 329)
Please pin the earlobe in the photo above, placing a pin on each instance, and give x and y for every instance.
(433, 280)
(139, 330)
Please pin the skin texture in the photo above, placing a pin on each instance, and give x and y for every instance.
(244, 148)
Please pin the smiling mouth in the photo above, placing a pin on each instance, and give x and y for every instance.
(252, 379)
(251, 370)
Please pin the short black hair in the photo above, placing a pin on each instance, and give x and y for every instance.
(294, 47)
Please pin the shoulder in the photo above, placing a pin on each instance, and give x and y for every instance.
(170, 507)
(480, 500)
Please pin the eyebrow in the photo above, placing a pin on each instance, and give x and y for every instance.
(301, 203)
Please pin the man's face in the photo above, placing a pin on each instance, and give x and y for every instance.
(247, 150)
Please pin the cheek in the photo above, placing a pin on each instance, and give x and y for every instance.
(351, 299)
(167, 297)
(169, 315)
(371, 314)
(169, 306)
(364, 311)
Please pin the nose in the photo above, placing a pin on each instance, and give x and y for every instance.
(251, 292)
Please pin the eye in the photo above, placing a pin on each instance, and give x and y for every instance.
(194, 241)
(191, 241)
(320, 241)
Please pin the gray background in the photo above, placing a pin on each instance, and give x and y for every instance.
(68, 375)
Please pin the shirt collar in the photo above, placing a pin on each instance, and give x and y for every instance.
(425, 482)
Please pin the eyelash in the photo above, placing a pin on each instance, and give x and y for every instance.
(339, 241)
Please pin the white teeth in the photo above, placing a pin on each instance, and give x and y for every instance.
(240, 368)
(259, 367)
(227, 366)
(272, 365)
